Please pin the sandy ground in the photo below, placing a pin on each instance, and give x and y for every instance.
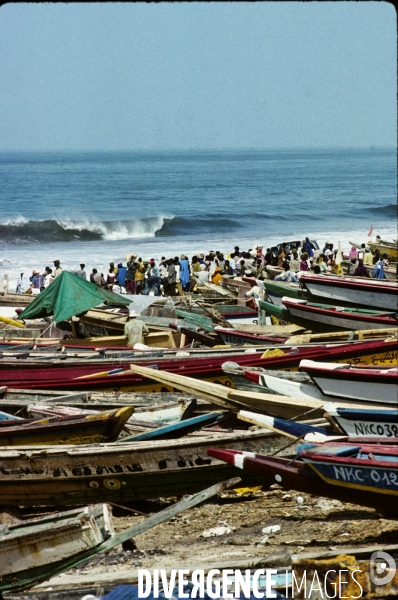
(307, 524)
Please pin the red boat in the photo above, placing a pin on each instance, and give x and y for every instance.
(297, 475)
(115, 374)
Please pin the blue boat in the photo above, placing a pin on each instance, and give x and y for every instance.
(176, 430)
(369, 467)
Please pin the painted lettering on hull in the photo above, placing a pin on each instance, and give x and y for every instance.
(378, 478)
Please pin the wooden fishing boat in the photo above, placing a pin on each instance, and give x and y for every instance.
(72, 429)
(370, 293)
(32, 330)
(119, 472)
(364, 467)
(60, 559)
(347, 381)
(17, 300)
(89, 376)
(208, 366)
(99, 321)
(277, 290)
(157, 415)
(325, 317)
(297, 475)
(25, 545)
(380, 422)
(285, 387)
(235, 285)
(230, 312)
(384, 248)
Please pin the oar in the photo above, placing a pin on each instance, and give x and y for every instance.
(102, 374)
(177, 430)
(12, 322)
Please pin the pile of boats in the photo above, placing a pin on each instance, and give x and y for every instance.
(298, 389)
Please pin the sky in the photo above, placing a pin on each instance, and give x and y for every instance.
(193, 75)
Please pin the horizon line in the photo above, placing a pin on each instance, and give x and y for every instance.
(370, 147)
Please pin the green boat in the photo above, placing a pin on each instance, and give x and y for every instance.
(276, 290)
(326, 318)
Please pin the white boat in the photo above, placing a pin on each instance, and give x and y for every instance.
(372, 293)
(347, 382)
(376, 422)
(295, 389)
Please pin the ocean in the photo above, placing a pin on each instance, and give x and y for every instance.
(96, 207)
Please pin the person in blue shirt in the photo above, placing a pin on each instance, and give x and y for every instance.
(308, 247)
(121, 275)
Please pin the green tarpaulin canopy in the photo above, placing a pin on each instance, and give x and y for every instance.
(69, 295)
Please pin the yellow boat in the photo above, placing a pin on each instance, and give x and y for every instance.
(88, 429)
(390, 249)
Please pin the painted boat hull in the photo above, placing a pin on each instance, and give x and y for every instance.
(18, 300)
(300, 477)
(390, 249)
(327, 318)
(368, 385)
(119, 472)
(276, 290)
(87, 376)
(369, 469)
(65, 430)
(372, 422)
(372, 293)
(285, 387)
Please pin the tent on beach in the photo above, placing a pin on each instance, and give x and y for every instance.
(69, 295)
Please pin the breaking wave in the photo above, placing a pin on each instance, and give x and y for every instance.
(178, 226)
(21, 230)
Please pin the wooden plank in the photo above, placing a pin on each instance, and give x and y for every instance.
(232, 400)
(272, 404)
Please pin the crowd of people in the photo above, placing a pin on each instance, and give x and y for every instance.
(176, 275)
